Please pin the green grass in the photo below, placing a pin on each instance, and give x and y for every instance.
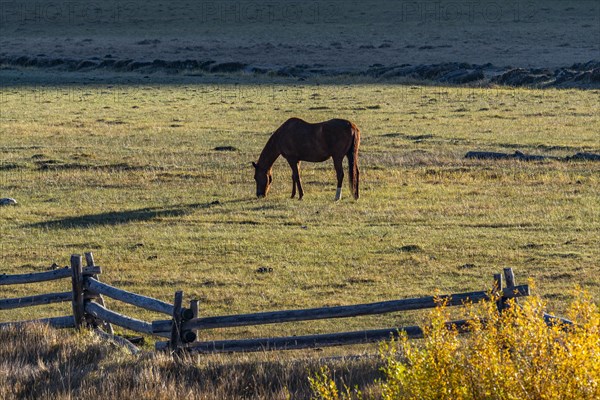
(131, 174)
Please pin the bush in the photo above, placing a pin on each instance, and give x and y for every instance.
(513, 355)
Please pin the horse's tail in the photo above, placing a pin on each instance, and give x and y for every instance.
(353, 161)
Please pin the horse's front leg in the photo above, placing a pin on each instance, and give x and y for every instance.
(295, 166)
(293, 188)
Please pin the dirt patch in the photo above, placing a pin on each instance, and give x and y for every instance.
(225, 148)
(410, 248)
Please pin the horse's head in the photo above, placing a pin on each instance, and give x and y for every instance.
(263, 178)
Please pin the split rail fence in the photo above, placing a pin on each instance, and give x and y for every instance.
(89, 310)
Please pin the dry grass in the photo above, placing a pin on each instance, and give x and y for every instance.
(42, 363)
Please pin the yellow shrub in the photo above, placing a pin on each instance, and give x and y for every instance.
(513, 355)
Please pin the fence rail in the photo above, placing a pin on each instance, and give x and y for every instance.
(19, 302)
(56, 322)
(309, 341)
(384, 307)
(97, 311)
(89, 309)
(138, 300)
(44, 276)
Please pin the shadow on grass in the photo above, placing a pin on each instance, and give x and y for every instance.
(121, 217)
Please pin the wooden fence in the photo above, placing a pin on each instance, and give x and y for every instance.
(89, 310)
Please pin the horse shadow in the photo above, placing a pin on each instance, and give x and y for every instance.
(121, 217)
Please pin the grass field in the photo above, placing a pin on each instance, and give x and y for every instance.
(150, 169)
(130, 173)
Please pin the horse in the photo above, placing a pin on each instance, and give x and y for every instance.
(297, 140)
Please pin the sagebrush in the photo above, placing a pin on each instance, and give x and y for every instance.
(513, 355)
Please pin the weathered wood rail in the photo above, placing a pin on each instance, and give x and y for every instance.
(89, 310)
(384, 307)
(501, 295)
(97, 311)
(308, 341)
(86, 298)
(36, 300)
(147, 303)
(44, 276)
(47, 298)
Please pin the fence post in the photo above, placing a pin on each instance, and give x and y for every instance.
(77, 283)
(175, 341)
(497, 291)
(195, 307)
(89, 260)
(509, 276)
(190, 336)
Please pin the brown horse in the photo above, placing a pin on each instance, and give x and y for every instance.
(297, 140)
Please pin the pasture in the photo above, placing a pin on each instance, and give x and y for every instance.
(129, 129)
(156, 180)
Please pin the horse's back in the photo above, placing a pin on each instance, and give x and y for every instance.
(315, 142)
(338, 123)
(335, 123)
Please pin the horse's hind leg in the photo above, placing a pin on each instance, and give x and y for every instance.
(337, 163)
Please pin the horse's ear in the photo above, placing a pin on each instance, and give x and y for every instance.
(254, 165)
